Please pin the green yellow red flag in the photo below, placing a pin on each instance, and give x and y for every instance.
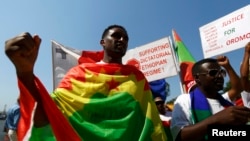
(186, 61)
(94, 101)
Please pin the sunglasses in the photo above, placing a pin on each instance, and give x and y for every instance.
(214, 72)
(159, 102)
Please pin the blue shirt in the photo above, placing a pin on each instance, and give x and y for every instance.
(13, 116)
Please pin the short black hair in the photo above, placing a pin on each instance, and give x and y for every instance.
(113, 26)
(197, 66)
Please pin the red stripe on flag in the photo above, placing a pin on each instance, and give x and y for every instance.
(91, 57)
(27, 105)
(61, 127)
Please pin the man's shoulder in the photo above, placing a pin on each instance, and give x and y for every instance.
(14, 107)
(183, 95)
(183, 98)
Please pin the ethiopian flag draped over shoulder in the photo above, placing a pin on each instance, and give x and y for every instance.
(95, 101)
(186, 62)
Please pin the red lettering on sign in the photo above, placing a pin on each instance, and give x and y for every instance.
(232, 20)
(238, 39)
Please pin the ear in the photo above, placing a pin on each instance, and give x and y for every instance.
(196, 78)
(102, 42)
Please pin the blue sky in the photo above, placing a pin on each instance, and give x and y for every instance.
(80, 23)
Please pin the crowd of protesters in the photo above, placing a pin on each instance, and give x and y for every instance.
(192, 114)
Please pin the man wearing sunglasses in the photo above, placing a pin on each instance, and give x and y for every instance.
(165, 115)
(205, 105)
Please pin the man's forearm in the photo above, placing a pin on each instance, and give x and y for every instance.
(28, 80)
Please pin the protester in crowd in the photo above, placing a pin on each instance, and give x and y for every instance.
(165, 115)
(160, 90)
(11, 123)
(102, 101)
(245, 76)
(162, 107)
(204, 106)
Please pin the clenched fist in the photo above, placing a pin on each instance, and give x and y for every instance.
(22, 50)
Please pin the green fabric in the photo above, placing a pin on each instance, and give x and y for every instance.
(168, 133)
(44, 133)
(108, 103)
(112, 124)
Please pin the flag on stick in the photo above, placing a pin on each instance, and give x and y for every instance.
(186, 62)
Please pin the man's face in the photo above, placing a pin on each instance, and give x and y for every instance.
(115, 42)
(160, 104)
(161, 107)
(211, 77)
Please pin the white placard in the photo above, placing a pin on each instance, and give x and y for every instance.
(227, 33)
(155, 59)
